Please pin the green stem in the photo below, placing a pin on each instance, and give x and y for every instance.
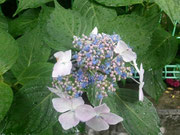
(174, 29)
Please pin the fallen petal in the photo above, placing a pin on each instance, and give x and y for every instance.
(111, 118)
(61, 104)
(85, 112)
(68, 120)
(97, 124)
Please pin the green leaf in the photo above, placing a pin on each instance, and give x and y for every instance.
(3, 21)
(6, 97)
(9, 78)
(118, 3)
(140, 118)
(24, 4)
(162, 50)
(171, 8)
(153, 83)
(2, 1)
(8, 51)
(98, 14)
(132, 30)
(32, 49)
(35, 71)
(92, 94)
(32, 111)
(63, 25)
(24, 23)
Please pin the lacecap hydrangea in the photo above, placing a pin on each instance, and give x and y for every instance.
(100, 60)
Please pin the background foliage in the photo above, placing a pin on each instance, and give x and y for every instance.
(31, 31)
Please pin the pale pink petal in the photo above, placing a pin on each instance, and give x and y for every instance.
(141, 75)
(141, 95)
(85, 112)
(59, 55)
(68, 120)
(62, 69)
(61, 104)
(129, 55)
(77, 102)
(121, 47)
(97, 124)
(67, 56)
(58, 92)
(111, 118)
(102, 109)
(67, 69)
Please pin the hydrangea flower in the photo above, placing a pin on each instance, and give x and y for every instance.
(68, 107)
(63, 65)
(124, 51)
(102, 118)
(141, 77)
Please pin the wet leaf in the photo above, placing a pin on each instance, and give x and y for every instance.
(32, 111)
(8, 51)
(140, 118)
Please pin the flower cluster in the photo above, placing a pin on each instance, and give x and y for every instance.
(101, 61)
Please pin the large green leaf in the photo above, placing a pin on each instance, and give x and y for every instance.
(140, 118)
(132, 30)
(32, 111)
(34, 71)
(32, 49)
(24, 4)
(63, 25)
(171, 7)
(98, 14)
(154, 85)
(8, 51)
(118, 3)
(24, 23)
(6, 97)
(162, 50)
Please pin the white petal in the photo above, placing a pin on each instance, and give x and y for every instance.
(95, 31)
(59, 54)
(62, 69)
(68, 120)
(85, 112)
(111, 118)
(97, 124)
(63, 56)
(67, 56)
(129, 55)
(141, 76)
(58, 92)
(141, 95)
(121, 47)
(77, 102)
(61, 104)
(102, 109)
